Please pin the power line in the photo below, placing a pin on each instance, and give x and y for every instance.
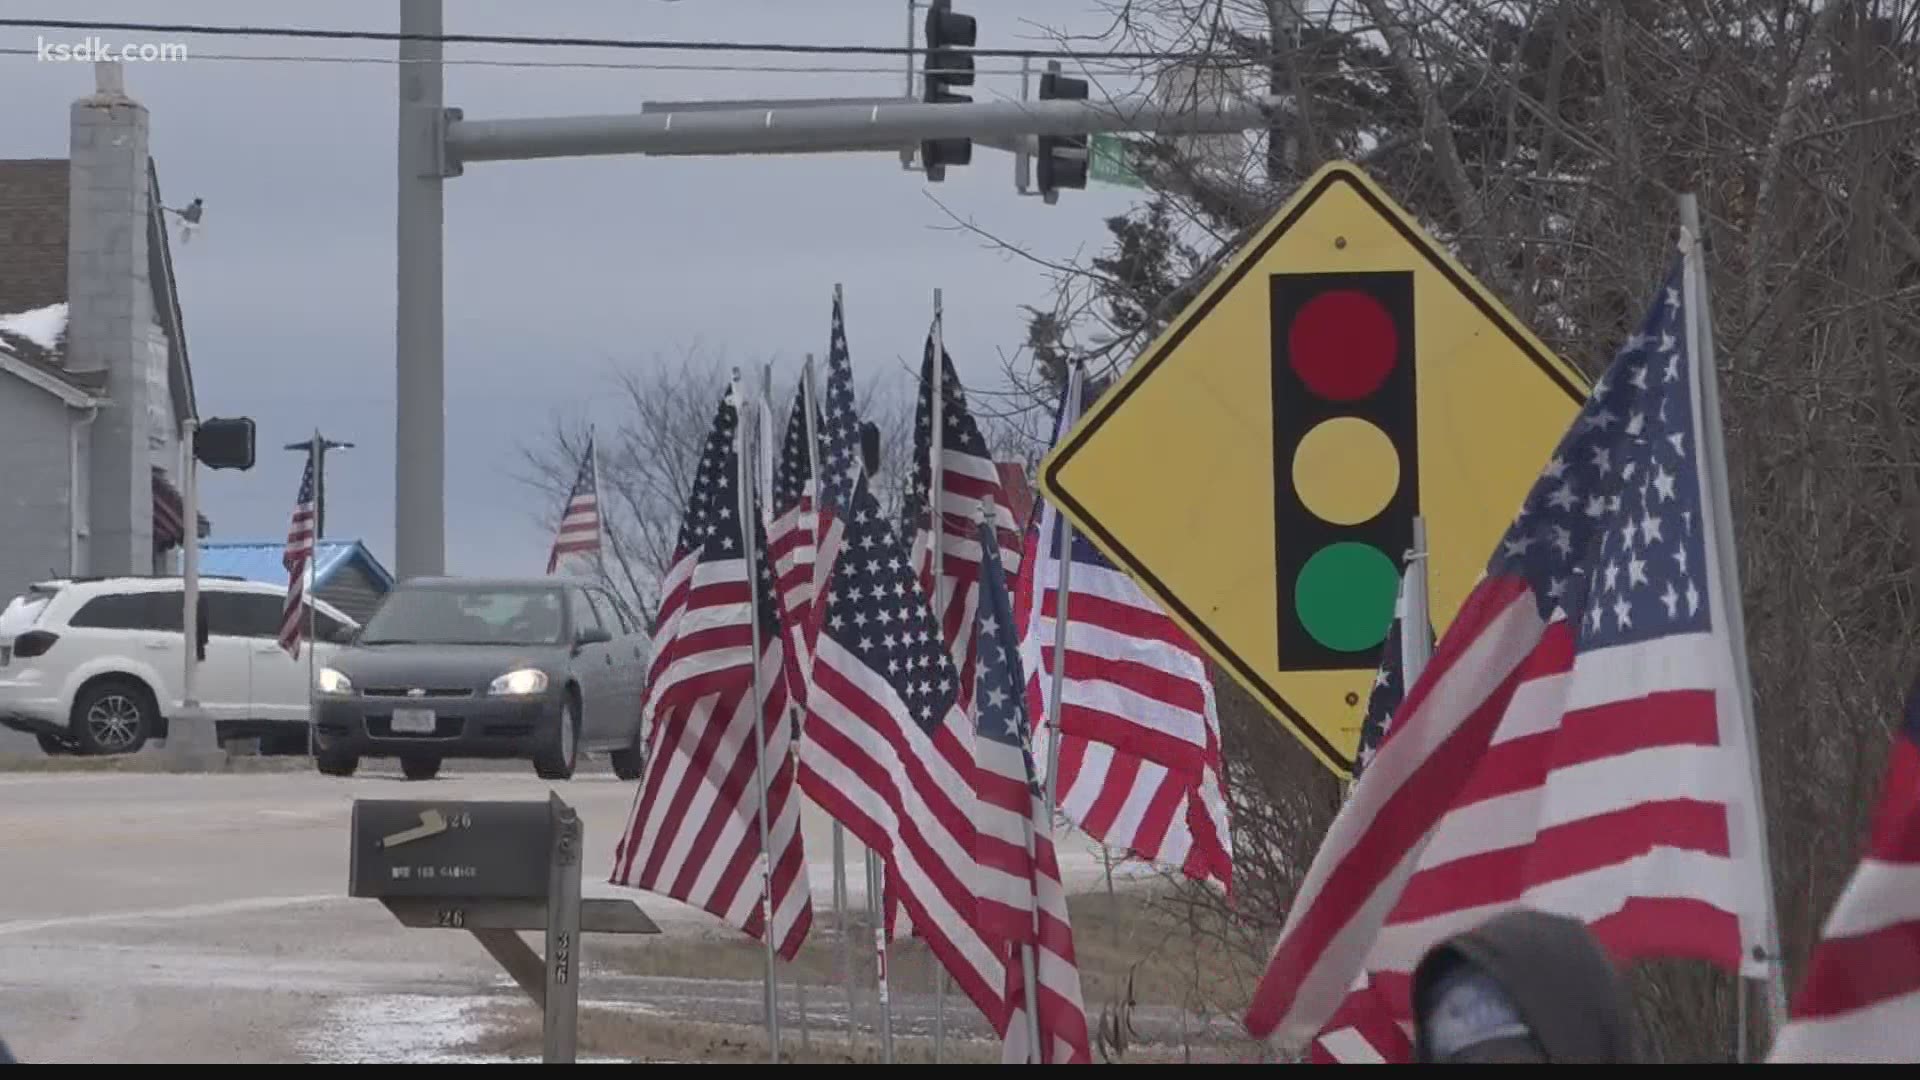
(603, 65)
(653, 45)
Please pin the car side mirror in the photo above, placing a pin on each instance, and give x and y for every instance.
(594, 636)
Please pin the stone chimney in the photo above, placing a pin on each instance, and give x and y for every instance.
(110, 306)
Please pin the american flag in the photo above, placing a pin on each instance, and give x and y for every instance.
(579, 532)
(298, 559)
(1861, 998)
(1024, 902)
(1363, 1031)
(1389, 685)
(694, 832)
(970, 483)
(791, 539)
(888, 752)
(1139, 757)
(1578, 741)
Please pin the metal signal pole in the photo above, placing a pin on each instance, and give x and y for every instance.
(435, 142)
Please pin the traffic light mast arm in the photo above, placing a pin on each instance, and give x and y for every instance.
(804, 129)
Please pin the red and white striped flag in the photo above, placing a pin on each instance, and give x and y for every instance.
(1364, 1031)
(970, 483)
(579, 531)
(298, 559)
(791, 542)
(1139, 758)
(1023, 902)
(1578, 742)
(694, 831)
(1861, 998)
(888, 752)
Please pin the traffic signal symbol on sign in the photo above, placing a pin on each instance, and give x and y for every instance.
(1346, 474)
(1202, 478)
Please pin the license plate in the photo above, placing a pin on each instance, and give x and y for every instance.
(413, 721)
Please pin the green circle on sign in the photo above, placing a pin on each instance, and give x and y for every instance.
(1344, 596)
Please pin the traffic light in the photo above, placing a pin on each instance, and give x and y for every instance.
(224, 443)
(949, 33)
(1063, 158)
(1345, 461)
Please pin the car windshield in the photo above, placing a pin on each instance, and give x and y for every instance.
(466, 616)
(24, 610)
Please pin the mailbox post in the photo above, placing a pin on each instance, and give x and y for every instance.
(492, 869)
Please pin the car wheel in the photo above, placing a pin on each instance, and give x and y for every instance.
(112, 716)
(54, 744)
(630, 760)
(420, 766)
(330, 764)
(556, 760)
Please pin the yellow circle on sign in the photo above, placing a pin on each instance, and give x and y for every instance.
(1346, 470)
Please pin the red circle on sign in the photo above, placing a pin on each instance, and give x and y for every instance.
(1343, 344)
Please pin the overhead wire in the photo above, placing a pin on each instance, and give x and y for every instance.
(603, 65)
(643, 44)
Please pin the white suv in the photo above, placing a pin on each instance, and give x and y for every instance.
(94, 665)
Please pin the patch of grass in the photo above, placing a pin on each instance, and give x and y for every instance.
(636, 1037)
(1133, 933)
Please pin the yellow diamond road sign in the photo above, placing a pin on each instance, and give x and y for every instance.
(1258, 469)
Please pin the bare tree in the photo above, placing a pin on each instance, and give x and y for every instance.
(1544, 141)
(649, 454)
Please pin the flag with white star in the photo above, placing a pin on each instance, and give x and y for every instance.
(970, 485)
(1024, 902)
(1389, 685)
(1579, 742)
(715, 719)
(887, 750)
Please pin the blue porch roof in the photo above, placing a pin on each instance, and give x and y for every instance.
(259, 560)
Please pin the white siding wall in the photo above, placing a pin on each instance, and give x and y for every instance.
(36, 522)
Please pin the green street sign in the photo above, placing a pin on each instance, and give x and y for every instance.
(1110, 161)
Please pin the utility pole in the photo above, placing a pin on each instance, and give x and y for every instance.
(435, 143)
(316, 450)
(420, 373)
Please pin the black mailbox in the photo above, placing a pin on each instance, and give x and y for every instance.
(451, 849)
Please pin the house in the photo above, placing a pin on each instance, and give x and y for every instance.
(95, 383)
(345, 573)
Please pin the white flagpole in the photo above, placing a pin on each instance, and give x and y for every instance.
(765, 477)
(1714, 476)
(808, 397)
(1415, 647)
(876, 908)
(599, 514)
(936, 533)
(989, 548)
(744, 481)
(313, 602)
(1074, 391)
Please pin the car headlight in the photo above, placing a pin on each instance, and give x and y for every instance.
(330, 681)
(523, 681)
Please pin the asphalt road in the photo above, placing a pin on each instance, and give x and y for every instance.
(152, 917)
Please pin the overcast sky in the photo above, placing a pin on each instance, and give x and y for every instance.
(556, 269)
